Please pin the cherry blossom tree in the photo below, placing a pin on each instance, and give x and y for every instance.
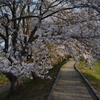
(27, 27)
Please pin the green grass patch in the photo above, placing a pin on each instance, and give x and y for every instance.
(3, 79)
(0, 73)
(93, 76)
(35, 90)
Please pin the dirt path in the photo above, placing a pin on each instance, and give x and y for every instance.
(70, 85)
(4, 88)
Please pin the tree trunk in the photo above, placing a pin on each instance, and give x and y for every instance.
(34, 75)
(13, 80)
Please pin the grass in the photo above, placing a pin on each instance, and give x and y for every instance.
(3, 79)
(35, 90)
(93, 76)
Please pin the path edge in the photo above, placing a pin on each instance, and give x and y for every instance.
(88, 83)
(54, 84)
(4, 87)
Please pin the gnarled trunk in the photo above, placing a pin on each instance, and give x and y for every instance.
(34, 75)
(13, 80)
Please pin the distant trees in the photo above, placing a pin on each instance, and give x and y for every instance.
(28, 26)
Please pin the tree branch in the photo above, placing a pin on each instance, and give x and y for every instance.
(32, 34)
(74, 6)
(23, 17)
(3, 37)
(95, 7)
(52, 13)
(84, 37)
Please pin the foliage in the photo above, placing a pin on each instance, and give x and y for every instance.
(28, 26)
(31, 88)
(24, 44)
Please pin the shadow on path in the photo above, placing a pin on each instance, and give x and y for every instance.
(4, 87)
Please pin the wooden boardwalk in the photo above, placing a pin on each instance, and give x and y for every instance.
(70, 85)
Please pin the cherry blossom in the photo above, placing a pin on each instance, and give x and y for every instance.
(70, 27)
